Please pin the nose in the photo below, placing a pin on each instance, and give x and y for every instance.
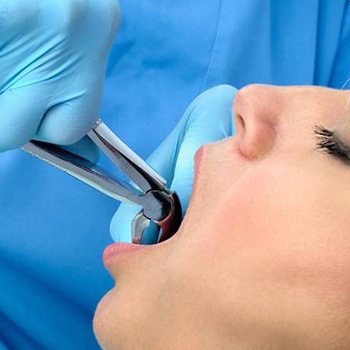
(256, 113)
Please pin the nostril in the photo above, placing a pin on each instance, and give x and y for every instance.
(258, 140)
(255, 119)
(240, 124)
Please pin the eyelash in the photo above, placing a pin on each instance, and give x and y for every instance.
(329, 142)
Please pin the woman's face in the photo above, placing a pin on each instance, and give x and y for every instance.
(262, 260)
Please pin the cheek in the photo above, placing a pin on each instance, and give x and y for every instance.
(285, 230)
(244, 211)
(217, 166)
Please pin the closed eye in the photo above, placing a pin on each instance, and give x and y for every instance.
(329, 142)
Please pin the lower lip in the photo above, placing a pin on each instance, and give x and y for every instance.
(117, 249)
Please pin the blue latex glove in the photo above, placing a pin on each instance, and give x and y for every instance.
(209, 118)
(53, 57)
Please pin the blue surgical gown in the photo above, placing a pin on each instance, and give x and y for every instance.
(53, 229)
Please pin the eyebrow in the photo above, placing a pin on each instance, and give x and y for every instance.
(330, 142)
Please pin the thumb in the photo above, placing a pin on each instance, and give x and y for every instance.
(67, 123)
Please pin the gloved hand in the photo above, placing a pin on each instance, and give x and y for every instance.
(53, 57)
(209, 118)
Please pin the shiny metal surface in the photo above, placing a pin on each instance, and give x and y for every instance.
(159, 204)
(84, 171)
(125, 159)
(139, 225)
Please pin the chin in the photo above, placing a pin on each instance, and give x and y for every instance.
(103, 320)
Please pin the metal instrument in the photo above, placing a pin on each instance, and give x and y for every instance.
(159, 204)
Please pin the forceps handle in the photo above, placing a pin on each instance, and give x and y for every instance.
(159, 204)
(143, 175)
(84, 171)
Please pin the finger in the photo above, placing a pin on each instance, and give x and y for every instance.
(67, 122)
(21, 112)
(85, 148)
(209, 119)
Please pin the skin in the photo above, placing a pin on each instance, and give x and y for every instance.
(262, 260)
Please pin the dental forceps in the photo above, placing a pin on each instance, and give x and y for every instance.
(159, 204)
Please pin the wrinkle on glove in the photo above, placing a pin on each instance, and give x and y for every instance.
(53, 57)
(209, 118)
